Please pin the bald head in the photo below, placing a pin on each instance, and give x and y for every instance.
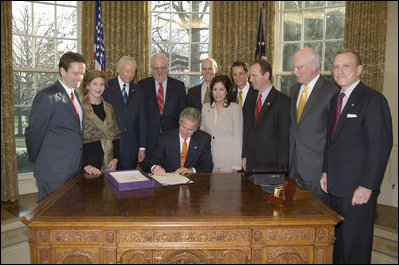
(306, 65)
(209, 69)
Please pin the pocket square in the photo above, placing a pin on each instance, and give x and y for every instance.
(351, 115)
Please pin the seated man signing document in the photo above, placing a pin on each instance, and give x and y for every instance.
(184, 150)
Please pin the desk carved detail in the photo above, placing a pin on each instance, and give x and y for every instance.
(184, 236)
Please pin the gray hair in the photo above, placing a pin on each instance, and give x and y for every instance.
(160, 55)
(191, 114)
(125, 59)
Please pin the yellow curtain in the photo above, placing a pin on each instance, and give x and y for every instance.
(9, 172)
(365, 32)
(125, 26)
(234, 31)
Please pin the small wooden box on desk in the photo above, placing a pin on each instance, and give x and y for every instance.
(220, 218)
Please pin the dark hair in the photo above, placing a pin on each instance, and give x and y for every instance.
(355, 53)
(225, 80)
(239, 63)
(89, 76)
(265, 66)
(68, 58)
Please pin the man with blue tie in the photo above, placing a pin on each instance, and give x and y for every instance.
(358, 146)
(127, 99)
(54, 134)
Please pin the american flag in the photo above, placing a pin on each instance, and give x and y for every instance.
(99, 53)
(260, 51)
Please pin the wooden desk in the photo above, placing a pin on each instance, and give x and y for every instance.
(221, 218)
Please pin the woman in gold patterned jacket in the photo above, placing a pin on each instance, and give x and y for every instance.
(100, 128)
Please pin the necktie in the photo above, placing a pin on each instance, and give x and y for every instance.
(124, 94)
(336, 116)
(239, 99)
(258, 106)
(74, 104)
(160, 98)
(183, 153)
(206, 97)
(302, 102)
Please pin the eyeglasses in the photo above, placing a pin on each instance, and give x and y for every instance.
(299, 67)
(163, 68)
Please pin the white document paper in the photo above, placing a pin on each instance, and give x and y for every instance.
(171, 179)
(128, 176)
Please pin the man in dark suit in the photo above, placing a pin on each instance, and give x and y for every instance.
(54, 135)
(127, 99)
(267, 122)
(310, 105)
(239, 73)
(198, 95)
(358, 145)
(184, 150)
(164, 97)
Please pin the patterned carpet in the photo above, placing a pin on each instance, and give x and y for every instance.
(15, 249)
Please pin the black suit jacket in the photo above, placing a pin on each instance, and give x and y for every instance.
(361, 145)
(194, 97)
(267, 139)
(175, 102)
(167, 153)
(131, 120)
(251, 91)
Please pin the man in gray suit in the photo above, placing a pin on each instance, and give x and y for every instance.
(309, 108)
(54, 135)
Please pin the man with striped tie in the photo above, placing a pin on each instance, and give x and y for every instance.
(164, 97)
(127, 99)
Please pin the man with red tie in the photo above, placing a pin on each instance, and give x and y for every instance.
(165, 98)
(358, 145)
(184, 150)
(267, 121)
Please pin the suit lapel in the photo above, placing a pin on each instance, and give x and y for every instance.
(267, 104)
(313, 99)
(168, 95)
(63, 95)
(350, 107)
(192, 148)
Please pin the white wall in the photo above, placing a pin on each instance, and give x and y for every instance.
(389, 187)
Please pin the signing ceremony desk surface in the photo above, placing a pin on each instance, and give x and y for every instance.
(220, 218)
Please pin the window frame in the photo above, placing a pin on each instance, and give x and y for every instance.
(279, 73)
(169, 42)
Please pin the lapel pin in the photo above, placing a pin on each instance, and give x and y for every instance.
(352, 105)
(195, 147)
(268, 103)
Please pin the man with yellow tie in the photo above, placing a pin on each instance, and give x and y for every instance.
(310, 105)
(184, 150)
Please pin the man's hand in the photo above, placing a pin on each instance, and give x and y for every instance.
(244, 164)
(361, 196)
(184, 171)
(323, 182)
(92, 170)
(141, 155)
(158, 170)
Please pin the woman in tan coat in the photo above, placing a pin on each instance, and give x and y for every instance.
(223, 120)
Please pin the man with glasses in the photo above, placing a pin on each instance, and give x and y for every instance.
(164, 97)
(309, 108)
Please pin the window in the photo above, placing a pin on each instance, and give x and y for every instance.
(317, 24)
(180, 29)
(42, 32)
